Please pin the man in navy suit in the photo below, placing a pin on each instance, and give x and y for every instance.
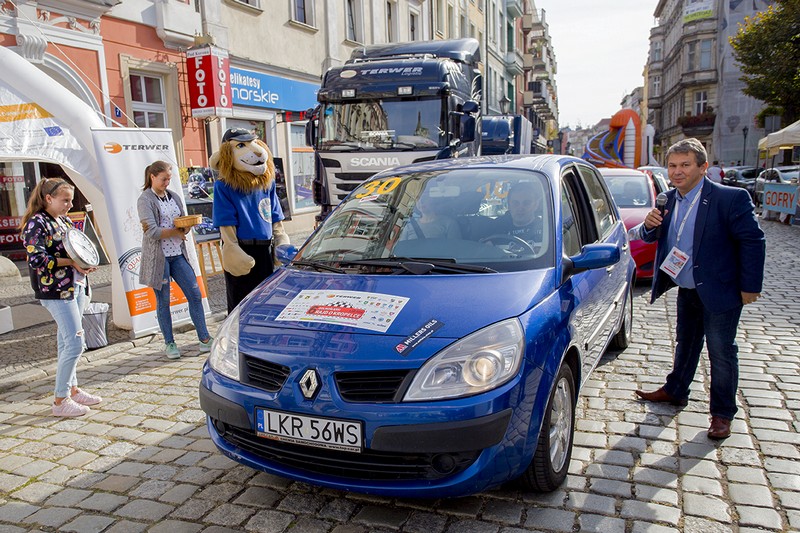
(711, 247)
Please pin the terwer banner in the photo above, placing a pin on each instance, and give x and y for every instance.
(127, 152)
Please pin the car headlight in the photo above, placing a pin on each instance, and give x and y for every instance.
(224, 357)
(477, 363)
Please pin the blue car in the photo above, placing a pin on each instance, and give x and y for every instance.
(430, 338)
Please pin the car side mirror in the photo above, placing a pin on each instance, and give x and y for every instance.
(470, 107)
(311, 133)
(592, 256)
(285, 253)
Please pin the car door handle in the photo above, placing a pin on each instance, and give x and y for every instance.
(610, 268)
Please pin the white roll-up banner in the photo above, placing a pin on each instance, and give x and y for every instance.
(122, 156)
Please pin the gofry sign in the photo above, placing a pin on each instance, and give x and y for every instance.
(208, 68)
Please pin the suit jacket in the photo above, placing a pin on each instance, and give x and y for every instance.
(729, 247)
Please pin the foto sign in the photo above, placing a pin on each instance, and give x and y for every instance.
(208, 69)
(781, 197)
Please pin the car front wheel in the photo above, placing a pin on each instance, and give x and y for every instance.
(550, 463)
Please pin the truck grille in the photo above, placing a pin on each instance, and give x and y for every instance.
(383, 466)
(263, 374)
(345, 182)
(371, 386)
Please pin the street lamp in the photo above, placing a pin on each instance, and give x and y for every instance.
(504, 102)
(744, 144)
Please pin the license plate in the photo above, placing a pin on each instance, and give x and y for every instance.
(331, 433)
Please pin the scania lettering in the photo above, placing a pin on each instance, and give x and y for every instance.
(403, 102)
(380, 162)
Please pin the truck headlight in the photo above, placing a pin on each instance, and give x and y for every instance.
(224, 357)
(477, 363)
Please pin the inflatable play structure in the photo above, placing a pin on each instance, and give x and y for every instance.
(625, 145)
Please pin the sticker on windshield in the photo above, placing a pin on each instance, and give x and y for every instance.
(367, 310)
(414, 340)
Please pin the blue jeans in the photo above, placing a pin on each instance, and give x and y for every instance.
(182, 272)
(719, 329)
(69, 333)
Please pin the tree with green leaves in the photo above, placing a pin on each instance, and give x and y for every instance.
(767, 47)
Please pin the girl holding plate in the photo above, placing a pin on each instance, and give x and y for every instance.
(60, 284)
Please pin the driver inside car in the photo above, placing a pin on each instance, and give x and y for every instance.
(523, 218)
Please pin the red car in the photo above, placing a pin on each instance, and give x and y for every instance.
(634, 192)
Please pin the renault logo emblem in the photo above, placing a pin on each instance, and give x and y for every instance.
(309, 383)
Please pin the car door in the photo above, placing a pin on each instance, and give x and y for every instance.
(579, 229)
(611, 283)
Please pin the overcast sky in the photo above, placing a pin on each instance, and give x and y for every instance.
(601, 49)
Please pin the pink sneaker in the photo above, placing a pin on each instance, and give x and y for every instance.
(69, 408)
(84, 398)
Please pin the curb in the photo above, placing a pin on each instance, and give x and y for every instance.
(11, 377)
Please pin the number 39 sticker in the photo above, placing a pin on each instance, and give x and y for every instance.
(378, 187)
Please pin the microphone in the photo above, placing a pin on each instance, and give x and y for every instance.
(661, 202)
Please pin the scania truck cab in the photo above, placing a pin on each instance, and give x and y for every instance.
(391, 105)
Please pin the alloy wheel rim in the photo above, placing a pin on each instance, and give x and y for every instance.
(560, 417)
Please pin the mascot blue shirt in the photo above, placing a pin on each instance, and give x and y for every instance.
(253, 214)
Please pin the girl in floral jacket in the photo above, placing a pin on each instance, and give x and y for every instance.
(60, 286)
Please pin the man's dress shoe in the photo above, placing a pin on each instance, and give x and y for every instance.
(661, 396)
(720, 428)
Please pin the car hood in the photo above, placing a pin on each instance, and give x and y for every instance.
(387, 305)
(631, 216)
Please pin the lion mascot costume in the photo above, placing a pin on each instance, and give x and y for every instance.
(246, 211)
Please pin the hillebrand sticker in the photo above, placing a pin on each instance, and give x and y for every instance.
(418, 336)
(367, 310)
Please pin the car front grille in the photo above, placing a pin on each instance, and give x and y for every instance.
(372, 465)
(372, 386)
(264, 374)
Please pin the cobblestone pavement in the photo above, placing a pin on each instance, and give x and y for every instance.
(142, 461)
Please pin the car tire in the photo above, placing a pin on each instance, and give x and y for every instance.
(548, 468)
(623, 337)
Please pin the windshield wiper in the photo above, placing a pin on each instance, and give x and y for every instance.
(318, 266)
(420, 266)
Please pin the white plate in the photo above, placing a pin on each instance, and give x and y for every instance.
(331, 433)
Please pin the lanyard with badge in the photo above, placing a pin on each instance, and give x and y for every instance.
(677, 259)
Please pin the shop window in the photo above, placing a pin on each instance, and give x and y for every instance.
(147, 101)
(302, 173)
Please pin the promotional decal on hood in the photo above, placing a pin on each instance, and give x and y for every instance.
(367, 310)
(414, 340)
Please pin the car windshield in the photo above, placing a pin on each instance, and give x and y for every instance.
(477, 220)
(383, 125)
(630, 191)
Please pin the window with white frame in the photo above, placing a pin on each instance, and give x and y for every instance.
(391, 34)
(353, 20)
(691, 55)
(147, 101)
(656, 86)
(413, 26)
(440, 16)
(451, 21)
(302, 169)
(657, 51)
(303, 11)
(700, 102)
(705, 54)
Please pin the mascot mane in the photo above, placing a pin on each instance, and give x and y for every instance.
(225, 164)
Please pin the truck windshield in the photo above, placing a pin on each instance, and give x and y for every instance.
(383, 125)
